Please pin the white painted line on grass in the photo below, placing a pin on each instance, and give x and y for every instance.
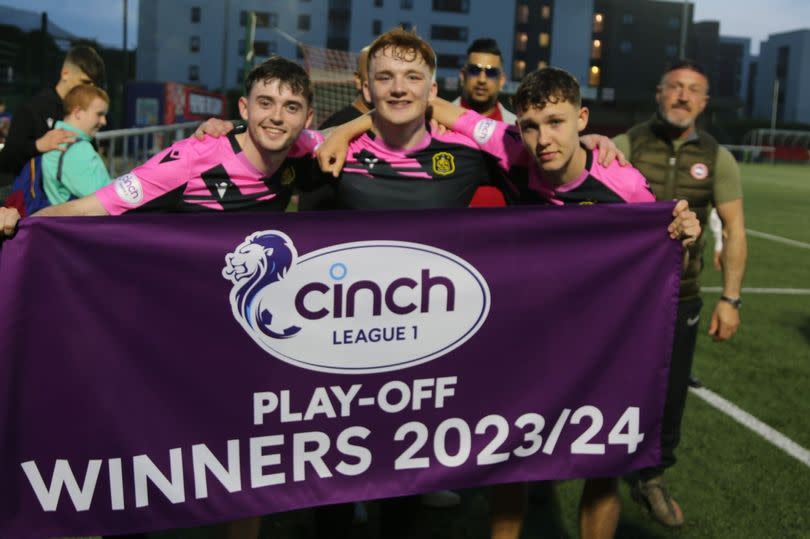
(778, 291)
(747, 420)
(780, 239)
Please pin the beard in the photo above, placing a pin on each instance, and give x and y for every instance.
(478, 104)
(682, 123)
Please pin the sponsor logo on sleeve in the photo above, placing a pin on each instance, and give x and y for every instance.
(342, 309)
(129, 190)
(484, 130)
(699, 171)
(444, 164)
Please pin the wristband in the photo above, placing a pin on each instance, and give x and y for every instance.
(736, 302)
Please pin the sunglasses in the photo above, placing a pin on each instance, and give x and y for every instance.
(473, 70)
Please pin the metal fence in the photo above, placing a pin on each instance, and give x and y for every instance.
(124, 149)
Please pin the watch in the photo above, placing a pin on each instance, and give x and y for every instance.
(736, 302)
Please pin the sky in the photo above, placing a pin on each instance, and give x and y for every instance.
(103, 19)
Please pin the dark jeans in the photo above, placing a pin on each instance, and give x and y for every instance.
(683, 351)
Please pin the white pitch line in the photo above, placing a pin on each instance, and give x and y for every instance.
(780, 239)
(777, 291)
(747, 420)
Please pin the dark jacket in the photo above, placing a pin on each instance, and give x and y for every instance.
(674, 174)
(31, 120)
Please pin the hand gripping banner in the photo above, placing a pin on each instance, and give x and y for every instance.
(168, 371)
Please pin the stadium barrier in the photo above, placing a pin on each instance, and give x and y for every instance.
(124, 149)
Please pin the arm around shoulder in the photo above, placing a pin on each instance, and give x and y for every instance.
(83, 207)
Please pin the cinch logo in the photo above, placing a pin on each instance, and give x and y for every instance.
(357, 307)
(128, 188)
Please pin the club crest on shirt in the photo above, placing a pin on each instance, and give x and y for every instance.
(288, 176)
(444, 164)
(699, 171)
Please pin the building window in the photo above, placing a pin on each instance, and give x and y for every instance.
(448, 33)
(264, 48)
(450, 61)
(545, 12)
(627, 18)
(260, 48)
(406, 25)
(521, 38)
(455, 6)
(596, 49)
(378, 3)
(626, 47)
(598, 22)
(193, 72)
(518, 70)
(523, 14)
(264, 19)
(542, 64)
(194, 44)
(376, 27)
(543, 39)
(303, 22)
(196, 14)
(406, 4)
(594, 76)
(240, 76)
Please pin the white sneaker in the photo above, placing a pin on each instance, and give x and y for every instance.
(441, 499)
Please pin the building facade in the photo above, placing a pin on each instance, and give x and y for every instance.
(202, 41)
(785, 58)
(632, 42)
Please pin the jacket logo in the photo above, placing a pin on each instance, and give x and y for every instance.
(699, 171)
(444, 164)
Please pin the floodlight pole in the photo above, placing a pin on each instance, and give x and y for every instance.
(774, 106)
(684, 21)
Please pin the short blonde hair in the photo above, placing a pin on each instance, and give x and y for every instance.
(82, 95)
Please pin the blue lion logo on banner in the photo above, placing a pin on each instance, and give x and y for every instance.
(262, 259)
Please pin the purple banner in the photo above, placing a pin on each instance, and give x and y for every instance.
(168, 371)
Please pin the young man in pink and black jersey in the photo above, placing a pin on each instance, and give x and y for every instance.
(545, 149)
(543, 152)
(256, 170)
(399, 163)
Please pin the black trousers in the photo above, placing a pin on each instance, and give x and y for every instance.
(683, 352)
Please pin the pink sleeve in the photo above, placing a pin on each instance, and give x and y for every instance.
(306, 143)
(498, 139)
(164, 172)
(626, 181)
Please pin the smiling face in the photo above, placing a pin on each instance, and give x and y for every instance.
(551, 135)
(682, 96)
(91, 119)
(400, 86)
(275, 115)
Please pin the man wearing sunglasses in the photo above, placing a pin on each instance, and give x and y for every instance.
(482, 79)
